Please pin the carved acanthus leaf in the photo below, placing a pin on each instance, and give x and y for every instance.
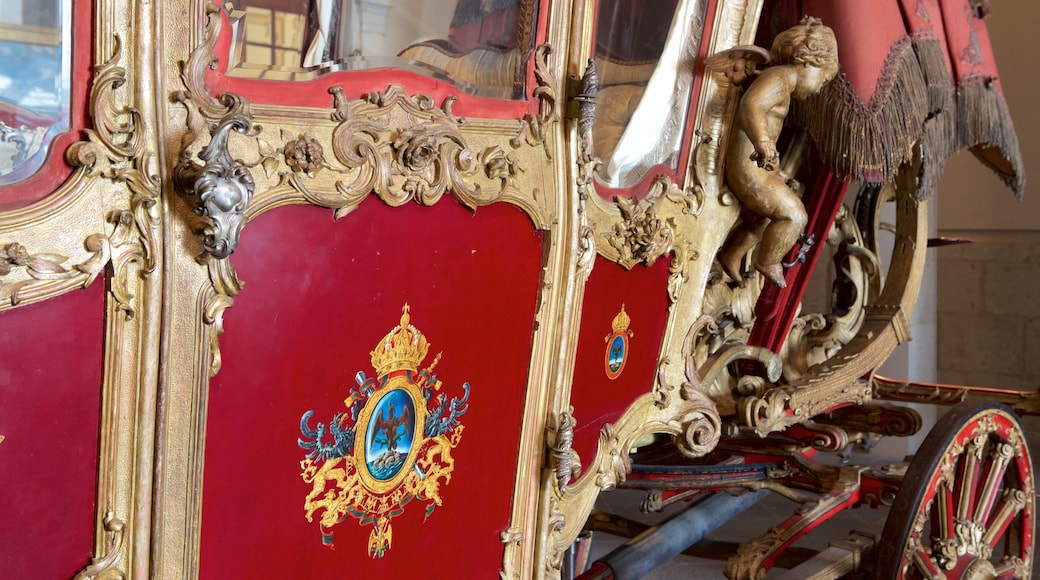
(586, 252)
(193, 72)
(114, 139)
(641, 236)
(225, 285)
(534, 129)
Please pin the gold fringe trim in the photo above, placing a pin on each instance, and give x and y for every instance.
(939, 141)
(931, 56)
(872, 139)
(913, 113)
(985, 126)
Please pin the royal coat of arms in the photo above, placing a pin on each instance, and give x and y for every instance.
(390, 447)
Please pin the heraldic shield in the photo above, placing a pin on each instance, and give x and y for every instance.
(391, 446)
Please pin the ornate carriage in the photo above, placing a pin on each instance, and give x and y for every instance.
(302, 288)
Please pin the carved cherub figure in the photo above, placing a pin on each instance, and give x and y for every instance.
(803, 59)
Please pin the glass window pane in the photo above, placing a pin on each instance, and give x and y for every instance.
(645, 57)
(34, 82)
(478, 45)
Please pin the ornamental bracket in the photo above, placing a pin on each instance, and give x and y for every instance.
(222, 187)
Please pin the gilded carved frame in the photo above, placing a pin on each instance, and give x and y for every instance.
(103, 225)
(685, 222)
(403, 148)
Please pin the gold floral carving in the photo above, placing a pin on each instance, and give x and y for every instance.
(44, 274)
(643, 233)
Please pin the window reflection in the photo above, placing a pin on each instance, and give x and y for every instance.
(34, 83)
(476, 44)
(645, 63)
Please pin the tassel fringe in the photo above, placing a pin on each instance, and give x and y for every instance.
(912, 115)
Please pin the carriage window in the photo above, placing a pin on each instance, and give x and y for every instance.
(34, 82)
(479, 45)
(645, 64)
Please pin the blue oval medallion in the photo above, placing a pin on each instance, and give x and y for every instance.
(389, 436)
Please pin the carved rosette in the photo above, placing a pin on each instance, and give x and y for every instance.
(304, 155)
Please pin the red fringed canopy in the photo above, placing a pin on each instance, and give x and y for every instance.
(918, 79)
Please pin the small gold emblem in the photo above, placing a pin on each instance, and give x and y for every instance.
(617, 345)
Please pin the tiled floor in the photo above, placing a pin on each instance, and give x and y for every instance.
(768, 512)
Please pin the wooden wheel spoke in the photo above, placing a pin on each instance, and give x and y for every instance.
(1001, 455)
(1011, 504)
(944, 515)
(969, 477)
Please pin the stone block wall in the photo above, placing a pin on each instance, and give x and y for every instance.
(989, 310)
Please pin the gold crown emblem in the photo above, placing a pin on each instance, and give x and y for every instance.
(404, 348)
(621, 321)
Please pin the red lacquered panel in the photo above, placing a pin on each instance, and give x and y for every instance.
(320, 296)
(50, 399)
(597, 398)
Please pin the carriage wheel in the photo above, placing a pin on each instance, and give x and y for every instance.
(965, 508)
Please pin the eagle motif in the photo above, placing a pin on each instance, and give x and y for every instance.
(387, 425)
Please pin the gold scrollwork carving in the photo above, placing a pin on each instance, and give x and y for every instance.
(511, 538)
(419, 161)
(114, 141)
(218, 297)
(106, 567)
(691, 418)
(534, 129)
(193, 72)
